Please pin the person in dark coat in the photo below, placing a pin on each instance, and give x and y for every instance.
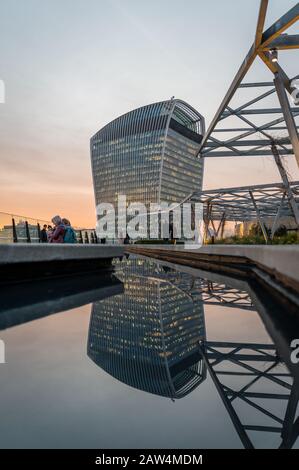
(44, 234)
(127, 239)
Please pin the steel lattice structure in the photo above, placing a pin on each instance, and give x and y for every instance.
(247, 203)
(237, 131)
(240, 204)
(265, 45)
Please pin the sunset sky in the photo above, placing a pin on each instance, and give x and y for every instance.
(71, 66)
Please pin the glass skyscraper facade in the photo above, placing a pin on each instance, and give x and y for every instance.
(149, 155)
(148, 336)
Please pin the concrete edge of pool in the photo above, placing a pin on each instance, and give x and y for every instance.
(26, 262)
(36, 252)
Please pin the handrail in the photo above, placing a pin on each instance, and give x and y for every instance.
(22, 229)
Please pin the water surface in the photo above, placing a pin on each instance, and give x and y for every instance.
(146, 357)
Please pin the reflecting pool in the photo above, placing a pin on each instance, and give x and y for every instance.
(147, 355)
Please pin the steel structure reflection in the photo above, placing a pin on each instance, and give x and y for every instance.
(239, 371)
(153, 338)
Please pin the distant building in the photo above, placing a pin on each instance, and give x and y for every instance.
(149, 155)
(148, 336)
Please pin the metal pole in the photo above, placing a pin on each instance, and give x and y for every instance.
(95, 237)
(86, 238)
(80, 237)
(285, 180)
(287, 113)
(38, 232)
(259, 217)
(273, 229)
(207, 222)
(223, 226)
(14, 231)
(27, 232)
(213, 225)
(260, 23)
(220, 230)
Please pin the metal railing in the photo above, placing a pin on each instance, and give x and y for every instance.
(22, 229)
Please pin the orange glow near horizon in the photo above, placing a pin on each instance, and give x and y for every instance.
(83, 219)
(78, 208)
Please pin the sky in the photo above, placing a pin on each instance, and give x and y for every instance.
(71, 66)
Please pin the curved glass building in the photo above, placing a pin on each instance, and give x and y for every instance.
(148, 336)
(149, 154)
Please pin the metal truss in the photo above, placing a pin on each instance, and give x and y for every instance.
(242, 374)
(240, 204)
(248, 203)
(252, 139)
(241, 131)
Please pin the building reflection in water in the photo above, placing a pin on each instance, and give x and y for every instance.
(152, 337)
(148, 336)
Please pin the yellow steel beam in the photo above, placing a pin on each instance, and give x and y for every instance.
(273, 66)
(261, 22)
(284, 42)
(260, 47)
(281, 25)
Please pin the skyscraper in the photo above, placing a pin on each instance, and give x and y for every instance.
(149, 155)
